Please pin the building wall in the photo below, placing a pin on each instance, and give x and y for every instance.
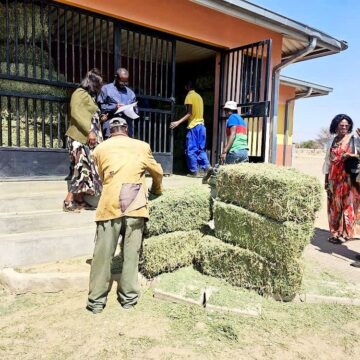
(285, 93)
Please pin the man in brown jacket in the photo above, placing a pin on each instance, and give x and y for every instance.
(122, 210)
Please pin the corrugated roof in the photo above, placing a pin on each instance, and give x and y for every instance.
(296, 34)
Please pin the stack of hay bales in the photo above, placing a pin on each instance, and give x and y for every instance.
(174, 229)
(264, 217)
(31, 60)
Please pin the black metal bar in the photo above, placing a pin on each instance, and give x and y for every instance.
(165, 131)
(237, 90)
(250, 98)
(132, 81)
(39, 81)
(17, 106)
(65, 46)
(51, 124)
(16, 37)
(33, 37)
(261, 71)
(49, 42)
(35, 120)
(26, 110)
(221, 90)
(155, 111)
(87, 44)
(155, 133)
(256, 87)
(7, 38)
(108, 50)
(101, 46)
(42, 123)
(117, 44)
(8, 108)
(167, 70)
(94, 39)
(267, 71)
(73, 46)
(26, 54)
(257, 135)
(145, 64)
(173, 77)
(246, 60)
(128, 49)
(80, 48)
(151, 64)
(231, 77)
(161, 67)
(160, 132)
(58, 44)
(42, 68)
(156, 66)
(59, 132)
(139, 64)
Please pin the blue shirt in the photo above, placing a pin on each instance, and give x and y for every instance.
(109, 97)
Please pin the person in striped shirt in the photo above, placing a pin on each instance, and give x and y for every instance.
(236, 149)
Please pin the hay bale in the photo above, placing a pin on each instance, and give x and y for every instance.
(239, 267)
(245, 268)
(180, 209)
(29, 54)
(168, 252)
(279, 193)
(278, 242)
(24, 28)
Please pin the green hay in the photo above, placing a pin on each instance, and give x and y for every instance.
(24, 28)
(27, 54)
(168, 252)
(245, 268)
(279, 193)
(278, 242)
(181, 209)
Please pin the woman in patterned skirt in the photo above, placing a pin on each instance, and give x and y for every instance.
(83, 135)
(342, 190)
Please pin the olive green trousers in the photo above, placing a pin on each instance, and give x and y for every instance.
(107, 236)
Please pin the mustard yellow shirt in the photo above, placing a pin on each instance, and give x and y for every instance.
(196, 101)
(122, 162)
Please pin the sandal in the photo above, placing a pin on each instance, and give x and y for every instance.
(84, 205)
(334, 240)
(70, 206)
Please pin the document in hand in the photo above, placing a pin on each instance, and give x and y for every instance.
(128, 110)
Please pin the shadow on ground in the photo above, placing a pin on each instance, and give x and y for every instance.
(320, 241)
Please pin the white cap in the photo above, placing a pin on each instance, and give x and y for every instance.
(231, 105)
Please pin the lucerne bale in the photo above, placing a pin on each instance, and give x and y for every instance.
(180, 209)
(279, 193)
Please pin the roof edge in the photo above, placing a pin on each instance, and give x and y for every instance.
(286, 80)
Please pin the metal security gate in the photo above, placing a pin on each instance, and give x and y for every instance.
(45, 50)
(245, 73)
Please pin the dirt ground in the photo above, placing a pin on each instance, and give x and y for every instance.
(57, 326)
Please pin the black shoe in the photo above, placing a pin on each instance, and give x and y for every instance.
(95, 310)
(357, 257)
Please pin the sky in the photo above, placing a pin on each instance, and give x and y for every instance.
(340, 19)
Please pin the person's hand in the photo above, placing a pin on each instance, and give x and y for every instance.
(222, 158)
(119, 105)
(104, 117)
(174, 124)
(91, 140)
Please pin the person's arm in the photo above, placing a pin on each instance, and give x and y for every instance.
(156, 172)
(175, 124)
(105, 106)
(230, 141)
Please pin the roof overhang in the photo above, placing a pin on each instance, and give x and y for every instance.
(302, 87)
(296, 34)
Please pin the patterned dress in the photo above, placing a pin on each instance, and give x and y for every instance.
(85, 178)
(343, 198)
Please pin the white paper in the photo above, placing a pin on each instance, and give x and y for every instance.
(128, 110)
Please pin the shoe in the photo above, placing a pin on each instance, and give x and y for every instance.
(355, 264)
(96, 310)
(208, 173)
(357, 257)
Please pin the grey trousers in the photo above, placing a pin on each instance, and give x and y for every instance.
(107, 236)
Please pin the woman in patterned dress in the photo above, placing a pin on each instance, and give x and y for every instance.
(83, 135)
(343, 197)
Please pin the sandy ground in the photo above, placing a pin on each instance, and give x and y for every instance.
(337, 257)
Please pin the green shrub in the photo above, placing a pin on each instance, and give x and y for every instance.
(279, 193)
(168, 252)
(277, 242)
(29, 54)
(40, 22)
(181, 209)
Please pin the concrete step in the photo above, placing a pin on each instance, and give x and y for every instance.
(14, 223)
(51, 200)
(20, 188)
(45, 246)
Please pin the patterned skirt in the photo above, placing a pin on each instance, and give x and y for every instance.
(85, 178)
